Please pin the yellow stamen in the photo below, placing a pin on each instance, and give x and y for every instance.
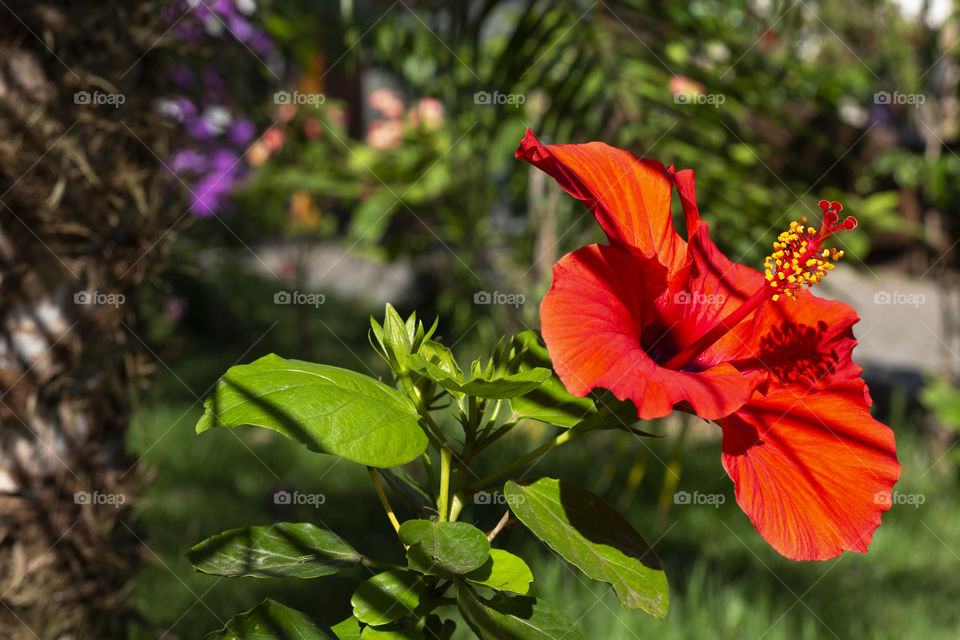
(797, 260)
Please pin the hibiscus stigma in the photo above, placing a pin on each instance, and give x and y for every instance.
(797, 260)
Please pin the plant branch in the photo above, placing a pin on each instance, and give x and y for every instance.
(564, 437)
(376, 564)
(442, 504)
(505, 522)
(487, 440)
(383, 499)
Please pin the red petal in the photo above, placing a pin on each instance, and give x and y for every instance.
(630, 197)
(813, 470)
(807, 341)
(688, 198)
(712, 289)
(592, 319)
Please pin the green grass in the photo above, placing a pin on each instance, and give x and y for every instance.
(726, 582)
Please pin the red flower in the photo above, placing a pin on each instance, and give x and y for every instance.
(672, 323)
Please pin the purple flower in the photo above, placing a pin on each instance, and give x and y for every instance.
(224, 7)
(240, 28)
(198, 128)
(261, 44)
(209, 194)
(880, 114)
(213, 82)
(187, 161)
(211, 191)
(175, 307)
(189, 31)
(223, 161)
(183, 109)
(214, 165)
(181, 75)
(241, 131)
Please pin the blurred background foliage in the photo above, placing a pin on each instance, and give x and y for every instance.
(402, 179)
(401, 159)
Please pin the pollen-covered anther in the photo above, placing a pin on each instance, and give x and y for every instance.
(797, 260)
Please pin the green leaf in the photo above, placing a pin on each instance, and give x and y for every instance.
(438, 355)
(519, 618)
(507, 386)
(586, 531)
(372, 216)
(386, 597)
(377, 332)
(502, 571)
(444, 548)
(300, 550)
(331, 410)
(439, 629)
(411, 326)
(422, 336)
(483, 384)
(392, 632)
(397, 339)
(614, 414)
(549, 402)
(408, 488)
(942, 399)
(270, 620)
(437, 370)
(348, 629)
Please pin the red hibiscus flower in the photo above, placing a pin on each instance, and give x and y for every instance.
(672, 323)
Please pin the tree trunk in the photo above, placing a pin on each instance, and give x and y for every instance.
(81, 208)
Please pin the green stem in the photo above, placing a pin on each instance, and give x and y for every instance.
(456, 505)
(486, 441)
(564, 437)
(433, 429)
(383, 499)
(442, 504)
(376, 564)
(473, 418)
(491, 421)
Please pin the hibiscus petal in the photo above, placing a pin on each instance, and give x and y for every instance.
(630, 197)
(592, 319)
(808, 340)
(708, 291)
(688, 198)
(813, 470)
